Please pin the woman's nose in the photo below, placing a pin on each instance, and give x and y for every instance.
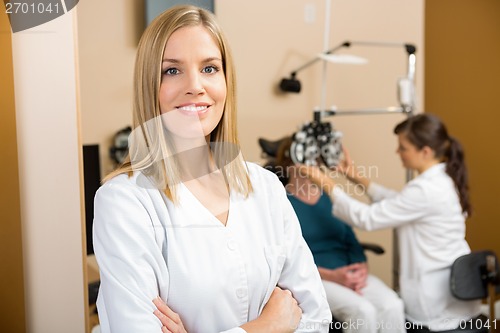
(195, 84)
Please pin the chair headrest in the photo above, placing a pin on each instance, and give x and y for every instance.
(269, 147)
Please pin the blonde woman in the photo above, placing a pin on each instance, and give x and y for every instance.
(188, 236)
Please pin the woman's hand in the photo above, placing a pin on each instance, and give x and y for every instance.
(281, 314)
(318, 177)
(348, 169)
(346, 166)
(359, 276)
(351, 276)
(169, 319)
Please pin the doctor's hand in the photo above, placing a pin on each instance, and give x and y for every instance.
(346, 165)
(349, 170)
(169, 319)
(319, 177)
(281, 314)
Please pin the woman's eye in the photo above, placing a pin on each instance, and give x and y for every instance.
(171, 71)
(210, 69)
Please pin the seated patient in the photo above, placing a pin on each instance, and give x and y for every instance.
(356, 297)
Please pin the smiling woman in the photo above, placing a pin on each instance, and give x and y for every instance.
(186, 220)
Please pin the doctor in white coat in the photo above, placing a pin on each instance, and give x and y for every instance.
(188, 236)
(429, 216)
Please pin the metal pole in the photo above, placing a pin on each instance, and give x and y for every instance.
(405, 109)
(312, 61)
(326, 42)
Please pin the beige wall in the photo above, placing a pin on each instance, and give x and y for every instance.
(12, 314)
(462, 86)
(49, 175)
(108, 33)
(269, 39)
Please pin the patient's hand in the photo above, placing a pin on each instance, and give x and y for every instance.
(351, 276)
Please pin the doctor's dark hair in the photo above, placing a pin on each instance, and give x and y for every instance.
(428, 130)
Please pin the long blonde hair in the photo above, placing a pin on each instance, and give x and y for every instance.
(148, 127)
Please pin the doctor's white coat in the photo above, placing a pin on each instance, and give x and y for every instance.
(431, 235)
(215, 277)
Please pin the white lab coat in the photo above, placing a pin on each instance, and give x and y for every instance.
(431, 235)
(215, 277)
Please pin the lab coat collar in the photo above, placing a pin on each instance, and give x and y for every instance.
(434, 170)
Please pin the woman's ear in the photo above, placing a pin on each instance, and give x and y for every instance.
(428, 153)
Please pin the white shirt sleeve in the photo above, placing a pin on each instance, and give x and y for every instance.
(300, 275)
(235, 330)
(411, 204)
(377, 192)
(131, 270)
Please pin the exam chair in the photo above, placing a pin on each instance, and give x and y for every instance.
(476, 276)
